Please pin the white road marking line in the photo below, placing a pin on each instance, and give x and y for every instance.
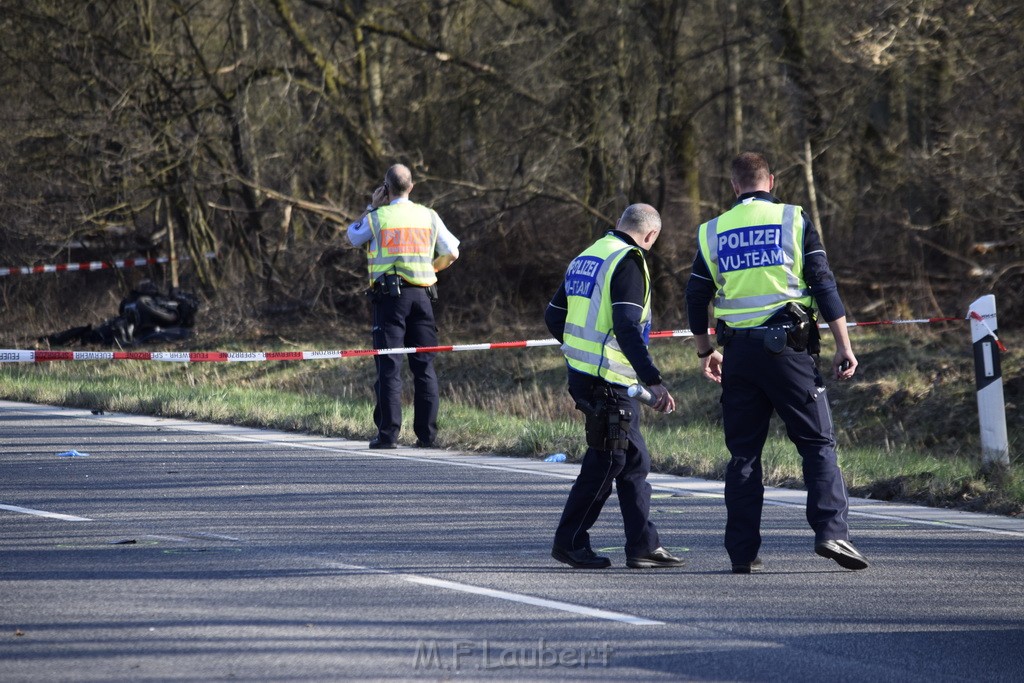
(505, 595)
(700, 488)
(959, 526)
(44, 513)
(530, 600)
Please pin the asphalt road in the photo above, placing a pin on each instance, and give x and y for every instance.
(185, 551)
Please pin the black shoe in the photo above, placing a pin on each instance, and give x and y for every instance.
(843, 553)
(752, 567)
(420, 443)
(659, 558)
(381, 443)
(584, 558)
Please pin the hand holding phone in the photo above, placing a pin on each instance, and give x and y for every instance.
(380, 196)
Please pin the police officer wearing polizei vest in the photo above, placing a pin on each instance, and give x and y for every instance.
(406, 245)
(602, 316)
(763, 265)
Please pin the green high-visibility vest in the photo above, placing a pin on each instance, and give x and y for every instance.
(589, 343)
(404, 237)
(756, 257)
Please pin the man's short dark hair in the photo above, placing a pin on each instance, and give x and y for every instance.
(750, 169)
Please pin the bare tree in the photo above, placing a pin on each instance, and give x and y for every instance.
(257, 128)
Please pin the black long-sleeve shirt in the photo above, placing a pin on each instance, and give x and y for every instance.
(627, 292)
(701, 288)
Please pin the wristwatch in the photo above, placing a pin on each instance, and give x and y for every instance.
(706, 353)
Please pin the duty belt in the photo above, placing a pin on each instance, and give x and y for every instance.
(757, 332)
(775, 338)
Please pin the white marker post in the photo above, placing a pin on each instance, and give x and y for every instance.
(995, 447)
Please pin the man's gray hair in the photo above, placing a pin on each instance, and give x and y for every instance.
(640, 218)
(399, 178)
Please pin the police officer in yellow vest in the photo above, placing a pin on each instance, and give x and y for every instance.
(406, 245)
(763, 266)
(602, 315)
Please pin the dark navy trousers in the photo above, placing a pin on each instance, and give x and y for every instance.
(627, 468)
(398, 322)
(756, 382)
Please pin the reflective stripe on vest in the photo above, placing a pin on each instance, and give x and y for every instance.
(589, 344)
(755, 254)
(404, 235)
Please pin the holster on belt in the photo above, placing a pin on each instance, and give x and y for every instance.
(607, 420)
(804, 334)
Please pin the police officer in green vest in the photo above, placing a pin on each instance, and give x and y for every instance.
(763, 267)
(406, 245)
(602, 315)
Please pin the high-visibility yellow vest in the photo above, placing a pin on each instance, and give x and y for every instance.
(589, 343)
(756, 257)
(404, 237)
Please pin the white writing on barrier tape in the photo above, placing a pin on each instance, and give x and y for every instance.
(12, 356)
(21, 356)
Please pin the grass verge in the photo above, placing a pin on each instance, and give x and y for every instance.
(907, 425)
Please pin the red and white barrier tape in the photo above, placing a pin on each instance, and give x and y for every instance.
(93, 265)
(973, 315)
(918, 321)
(20, 356)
